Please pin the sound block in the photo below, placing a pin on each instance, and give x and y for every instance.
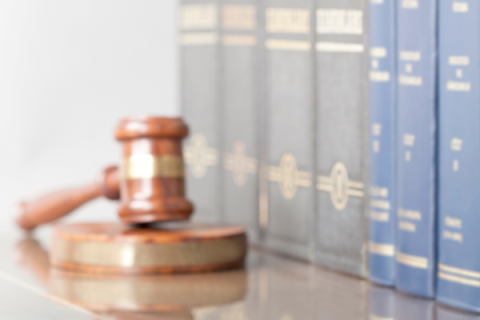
(173, 247)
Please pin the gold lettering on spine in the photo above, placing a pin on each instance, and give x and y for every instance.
(458, 275)
(238, 40)
(407, 226)
(322, 46)
(288, 176)
(339, 21)
(460, 6)
(198, 16)
(339, 186)
(379, 216)
(274, 44)
(147, 166)
(239, 17)
(199, 156)
(459, 271)
(284, 20)
(410, 4)
(457, 279)
(200, 21)
(411, 260)
(382, 249)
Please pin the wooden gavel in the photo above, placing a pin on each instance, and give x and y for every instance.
(150, 182)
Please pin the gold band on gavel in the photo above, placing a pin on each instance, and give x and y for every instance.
(147, 166)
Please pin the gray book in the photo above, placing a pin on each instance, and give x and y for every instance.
(240, 108)
(199, 41)
(288, 217)
(341, 133)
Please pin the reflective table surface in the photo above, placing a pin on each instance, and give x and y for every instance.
(270, 287)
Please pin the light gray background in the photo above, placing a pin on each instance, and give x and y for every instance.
(69, 70)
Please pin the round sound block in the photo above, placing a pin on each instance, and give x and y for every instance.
(162, 248)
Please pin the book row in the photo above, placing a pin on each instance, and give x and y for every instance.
(341, 132)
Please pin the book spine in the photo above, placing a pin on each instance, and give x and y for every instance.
(288, 107)
(382, 141)
(240, 108)
(458, 270)
(200, 65)
(416, 132)
(381, 303)
(341, 134)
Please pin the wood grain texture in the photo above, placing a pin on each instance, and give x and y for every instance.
(175, 247)
(56, 205)
(151, 127)
(152, 181)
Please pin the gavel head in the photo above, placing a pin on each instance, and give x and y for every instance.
(152, 183)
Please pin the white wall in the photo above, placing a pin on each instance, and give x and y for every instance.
(69, 70)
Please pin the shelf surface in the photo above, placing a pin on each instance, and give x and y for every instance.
(270, 287)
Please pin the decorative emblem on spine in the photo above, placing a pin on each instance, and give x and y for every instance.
(288, 176)
(339, 186)
(239, 163)
(199, 156)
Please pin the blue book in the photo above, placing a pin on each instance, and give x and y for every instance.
(459, 155)
(416, 132)
(382, 145)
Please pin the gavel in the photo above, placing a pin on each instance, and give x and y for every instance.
(149, 183)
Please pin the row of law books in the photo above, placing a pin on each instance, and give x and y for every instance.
(343, 133)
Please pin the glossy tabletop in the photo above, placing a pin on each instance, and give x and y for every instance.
(270, 287)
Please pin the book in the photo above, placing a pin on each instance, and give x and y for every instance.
(341, 134)
(240, 108)
(382, 141)
(381, 303)
(199, 48)
(458, 274)
(416, 143)
(288, 218)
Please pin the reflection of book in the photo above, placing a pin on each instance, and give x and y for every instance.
(381, 303)
(382, 142)
(416, 98)
(288, 131)
(341, 150)
(411, 308)
(199, 38)
(458, 269)
(240, 88)
(443, 313)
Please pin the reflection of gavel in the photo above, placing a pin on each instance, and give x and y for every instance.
(150, 183)
(155, 297)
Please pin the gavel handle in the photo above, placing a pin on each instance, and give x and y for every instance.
(58, 204)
